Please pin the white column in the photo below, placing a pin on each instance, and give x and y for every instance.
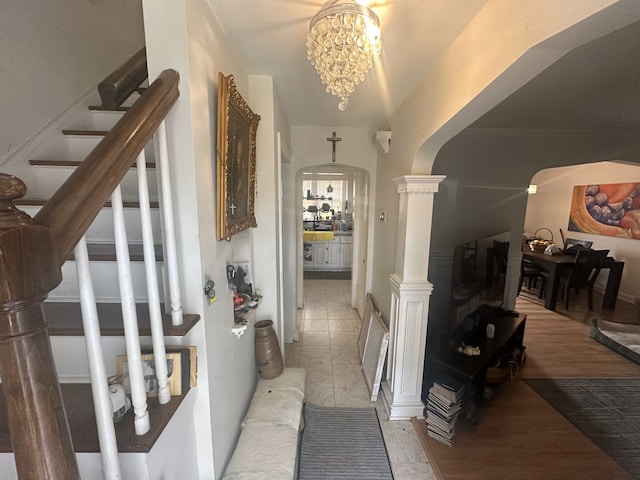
(410, 292)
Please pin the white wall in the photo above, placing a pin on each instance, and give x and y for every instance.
(549, 208)
(53, 53)
(187, 37)
(266, 236)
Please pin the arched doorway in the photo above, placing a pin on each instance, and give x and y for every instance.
(346, 211)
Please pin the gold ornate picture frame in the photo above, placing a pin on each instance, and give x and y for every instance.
(236, 160)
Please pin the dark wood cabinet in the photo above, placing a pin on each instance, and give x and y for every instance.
(444, 361)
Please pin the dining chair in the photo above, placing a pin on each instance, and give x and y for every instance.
(584, 274)
(531, 273)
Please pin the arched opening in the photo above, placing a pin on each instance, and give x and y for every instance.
(331, 203)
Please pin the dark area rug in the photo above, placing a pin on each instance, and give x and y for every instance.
(342, 443)
(622, 338)
(606, 410)
(320, 275)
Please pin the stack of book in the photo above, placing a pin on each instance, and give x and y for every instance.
(444, 405)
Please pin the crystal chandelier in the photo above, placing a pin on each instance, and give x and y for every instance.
(343, 41)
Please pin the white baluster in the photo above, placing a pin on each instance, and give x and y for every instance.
(129, 315)
(171, 251)
(157, 332)
(99, 383)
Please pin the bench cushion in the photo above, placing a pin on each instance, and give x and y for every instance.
(290, 379)
(275, 407)
(264, 452)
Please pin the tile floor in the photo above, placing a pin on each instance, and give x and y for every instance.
(327, 349)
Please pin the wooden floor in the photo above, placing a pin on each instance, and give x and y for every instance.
(518, 435)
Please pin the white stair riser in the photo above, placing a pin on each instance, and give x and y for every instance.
(70, 355)
(50, 178)
(105, 120)
(105, 282)
(80, 146)
(101, 230)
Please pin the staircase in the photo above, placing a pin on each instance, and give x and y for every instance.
(62, 312)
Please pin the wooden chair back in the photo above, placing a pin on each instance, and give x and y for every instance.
(587, 268)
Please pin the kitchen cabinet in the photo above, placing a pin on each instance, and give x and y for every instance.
(319, 255)
(345, 256)
(333, 255)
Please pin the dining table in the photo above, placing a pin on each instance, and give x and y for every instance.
(557, 265)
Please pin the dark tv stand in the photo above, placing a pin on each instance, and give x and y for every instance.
(444, 360)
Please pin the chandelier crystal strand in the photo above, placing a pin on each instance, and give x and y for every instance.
(343, 42)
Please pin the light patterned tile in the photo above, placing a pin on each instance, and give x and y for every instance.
(338, 338)
(402, 441)
(357, 323)
(315, 296)
(348, 376)
(344, 355)
(353, 397)
(315, 354)
(412, 471)
(318, 374)
(320, 394)
(315, 338)
(382, 412)
(292, 354)
(315, 325)
(339, 312)
(340, 326)
(314, 357)
(315, 313)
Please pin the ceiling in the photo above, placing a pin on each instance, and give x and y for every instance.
(597, 86)
(270, 39)
(594, 87)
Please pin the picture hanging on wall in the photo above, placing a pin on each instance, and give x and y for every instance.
(611, 209)
(236, 160)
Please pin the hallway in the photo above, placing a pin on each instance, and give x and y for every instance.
(327, 349)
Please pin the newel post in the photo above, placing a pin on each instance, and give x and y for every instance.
(29, 270)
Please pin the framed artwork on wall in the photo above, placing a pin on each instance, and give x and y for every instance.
(611, 209)
(236, 160)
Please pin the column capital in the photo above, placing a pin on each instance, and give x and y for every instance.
(419, 287)
(418, 183)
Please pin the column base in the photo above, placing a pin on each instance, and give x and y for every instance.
(400, 410)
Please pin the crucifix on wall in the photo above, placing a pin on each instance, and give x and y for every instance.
(333, 140)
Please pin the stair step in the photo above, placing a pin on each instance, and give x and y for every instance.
(84, 133)
(65, 318)
(78, 401)
(82, 142)
(101, 230)
(39, 202)
(106, 119)
(51, 174)
(100, 108)
(72, 163)
(105, 282)
(105, 252)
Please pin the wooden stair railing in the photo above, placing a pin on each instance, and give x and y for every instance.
(118, 86)
(32, 253)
